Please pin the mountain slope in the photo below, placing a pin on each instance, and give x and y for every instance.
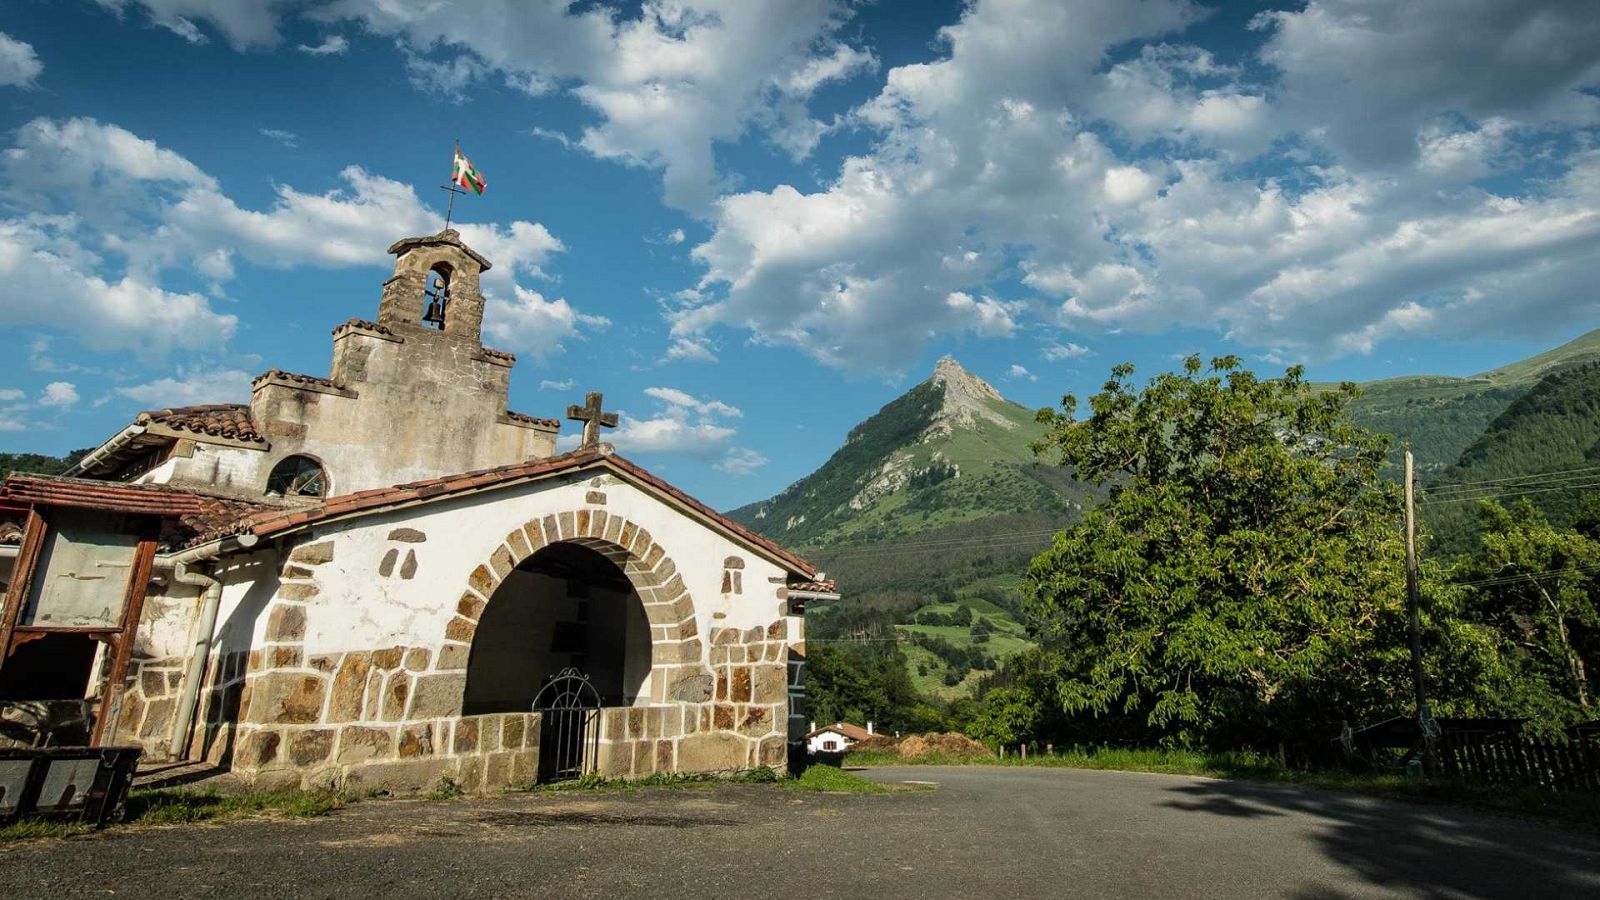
(1440, 416)
(948, 451)
(933, 506)
(1553, 428)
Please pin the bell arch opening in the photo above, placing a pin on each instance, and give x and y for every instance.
(565, 606)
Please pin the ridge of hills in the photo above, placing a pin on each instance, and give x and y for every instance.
(936, 502)
(1440, 416)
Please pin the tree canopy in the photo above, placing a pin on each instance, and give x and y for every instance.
(1245, 578)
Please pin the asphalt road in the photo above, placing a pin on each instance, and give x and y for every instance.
(984, 832)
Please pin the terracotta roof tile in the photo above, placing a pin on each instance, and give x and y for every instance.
(819, 587)
(189, 513)
(362, 324)
(533, 420)
(271, 522)
(853, 732)
(228, 420)
(294, 377)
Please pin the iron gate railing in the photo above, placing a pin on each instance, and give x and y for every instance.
(569, 730)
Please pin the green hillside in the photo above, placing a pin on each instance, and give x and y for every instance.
(933, 504)
(1440, 416)
(1550, 430)
(949, 451)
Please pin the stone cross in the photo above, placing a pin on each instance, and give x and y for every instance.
(592, 418)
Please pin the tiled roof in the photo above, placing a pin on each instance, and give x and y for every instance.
(853, 732)
(190, 513)
(279, 521)
(363, 324)
(817, 587)
(293, 376)
(533, 420)
(500, 354)
(228, 420)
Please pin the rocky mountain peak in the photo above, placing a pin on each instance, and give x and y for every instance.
(967, 398)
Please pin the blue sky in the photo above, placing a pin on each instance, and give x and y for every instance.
(753, 224)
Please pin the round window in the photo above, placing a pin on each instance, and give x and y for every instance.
(297, 476)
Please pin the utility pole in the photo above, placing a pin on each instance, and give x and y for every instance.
(1425, 724)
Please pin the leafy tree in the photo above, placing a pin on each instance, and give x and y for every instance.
(962, 616)
(1538, 585)
(1244, 582)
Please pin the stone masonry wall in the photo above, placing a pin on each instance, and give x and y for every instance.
(388, 717)
(392, 716)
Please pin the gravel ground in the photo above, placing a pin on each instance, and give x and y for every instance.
(984, 832)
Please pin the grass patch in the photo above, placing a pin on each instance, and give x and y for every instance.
(34, 829)
(595, 782)
(830, 780)
(168, 807)
(1572, 808)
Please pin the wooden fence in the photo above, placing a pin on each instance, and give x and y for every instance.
(1510, 759)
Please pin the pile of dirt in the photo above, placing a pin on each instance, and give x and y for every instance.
(880, 742)
(950, 743)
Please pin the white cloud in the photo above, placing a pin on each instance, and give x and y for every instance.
(287, 138)
(104, 213)
(668, 82)
(1017, 371)
(1054, 352)
(680, 399)
(1368, 77)
(993, 163)
(691, 350)
(11, 395)
(191, 386)
(332, 45)
(683, 424)
(58, 394)
(531, 324)
(740, 461)
(565, 384)
(243, 23)
(19, 65)
(675, 236)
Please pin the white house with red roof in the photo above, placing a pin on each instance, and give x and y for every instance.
(836, 738)
(385, 577)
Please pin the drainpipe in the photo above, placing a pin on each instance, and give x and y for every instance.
(211, 600)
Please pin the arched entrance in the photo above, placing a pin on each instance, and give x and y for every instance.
(566, 606)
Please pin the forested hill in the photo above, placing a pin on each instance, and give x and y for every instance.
(38, 462)
(1441, 416)
(1550, 431)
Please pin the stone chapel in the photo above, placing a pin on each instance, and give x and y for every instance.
(385, 577)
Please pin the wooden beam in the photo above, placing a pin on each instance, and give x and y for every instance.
(115, 685)
(33, 535)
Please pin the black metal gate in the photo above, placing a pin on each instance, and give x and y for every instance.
(569, 730)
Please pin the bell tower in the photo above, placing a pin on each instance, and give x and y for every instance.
(435, 286)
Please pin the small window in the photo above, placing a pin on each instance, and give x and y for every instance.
(297, 476)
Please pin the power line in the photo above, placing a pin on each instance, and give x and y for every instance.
(1513, 493)
(1527, 482)
(1511, 578)
(1536, 475)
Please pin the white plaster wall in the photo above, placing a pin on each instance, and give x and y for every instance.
(819, 743)
(356, 608)
(229, 470)
(248, 582)
(166, 627)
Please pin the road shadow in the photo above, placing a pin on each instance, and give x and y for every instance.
(1428, 850)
